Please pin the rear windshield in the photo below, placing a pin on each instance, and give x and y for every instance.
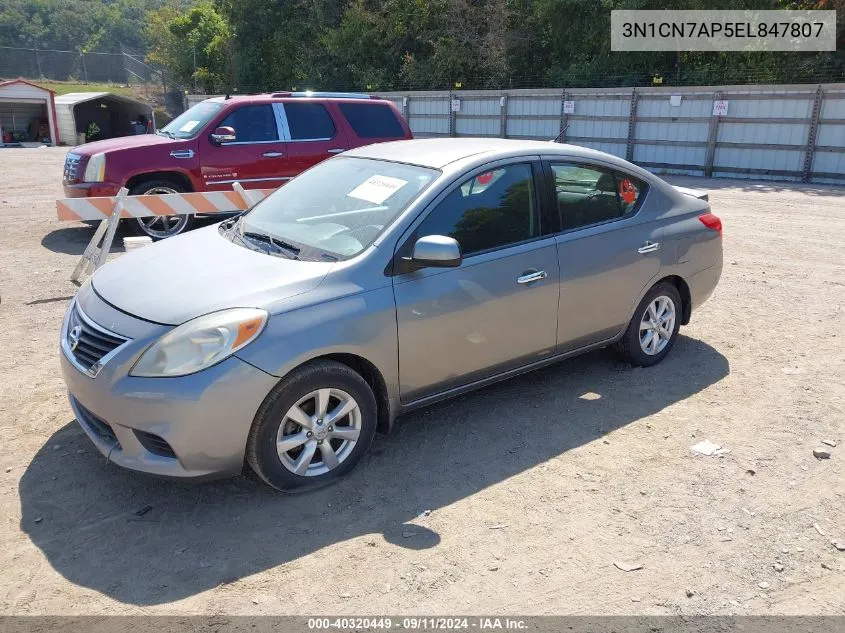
(372, 120)
(191, 121)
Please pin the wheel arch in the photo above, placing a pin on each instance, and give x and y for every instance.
(374, 378)
(683, 290)
(176, 177)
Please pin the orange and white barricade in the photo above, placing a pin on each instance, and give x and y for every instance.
(112, 209)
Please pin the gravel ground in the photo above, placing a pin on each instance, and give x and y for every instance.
(517, 499)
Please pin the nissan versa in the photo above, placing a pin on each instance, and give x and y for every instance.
(383, 279)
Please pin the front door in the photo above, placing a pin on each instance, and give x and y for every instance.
(313, 135)
(607, 253)
(495, 312)
(255, 159)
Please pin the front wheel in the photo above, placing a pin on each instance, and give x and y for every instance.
(160, 227)
(654, 326)
(313, 427)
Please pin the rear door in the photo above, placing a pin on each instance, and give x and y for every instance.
(312, 134)
(255, 158)
(608, 250)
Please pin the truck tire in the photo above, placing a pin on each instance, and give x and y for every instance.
(161, 226)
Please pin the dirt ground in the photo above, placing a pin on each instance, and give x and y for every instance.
(517, 499)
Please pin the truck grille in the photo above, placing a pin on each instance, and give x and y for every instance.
(89, 343)
(71, 172)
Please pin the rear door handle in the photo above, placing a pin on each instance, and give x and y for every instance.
(648, 247)
(531, 277)
(336, 150)
(272, 154)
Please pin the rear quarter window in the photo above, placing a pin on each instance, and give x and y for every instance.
(372, 120)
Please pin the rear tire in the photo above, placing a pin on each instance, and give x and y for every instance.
(313, 428)
(654, 327)
(162, 226)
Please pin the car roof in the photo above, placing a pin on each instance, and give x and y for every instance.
(440, 152)
(298, 96)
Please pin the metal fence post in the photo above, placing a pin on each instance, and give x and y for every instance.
(38, 63)
(812, 133)
(564, 118)
(503, 116)
(406, 108)
(632, 126)
(712, 135)
(452, 113)
(84, 68)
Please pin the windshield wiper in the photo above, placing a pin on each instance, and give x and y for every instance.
(166, 133)
(278, 244)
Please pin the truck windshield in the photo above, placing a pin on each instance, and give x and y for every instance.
(191, 121)
(339, 206)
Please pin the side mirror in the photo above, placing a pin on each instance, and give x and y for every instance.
(437, 251)
(223, 134)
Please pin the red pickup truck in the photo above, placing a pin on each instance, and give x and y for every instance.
(260, 141)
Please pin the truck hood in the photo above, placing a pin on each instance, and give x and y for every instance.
(122, 142)
(184, 277)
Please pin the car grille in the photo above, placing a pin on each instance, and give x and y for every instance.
(88, 343)
(71, 172)
(95, 424)
(155, 444)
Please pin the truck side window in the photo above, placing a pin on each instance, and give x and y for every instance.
(253, 124)
(309, 122)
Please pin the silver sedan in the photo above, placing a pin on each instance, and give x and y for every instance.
(382, 280)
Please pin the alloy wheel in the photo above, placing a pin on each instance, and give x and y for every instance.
(162, 226)
(319, 432)
(657, 325)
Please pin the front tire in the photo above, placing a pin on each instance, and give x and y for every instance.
(313, 428)
(160, 227)
(654, 327)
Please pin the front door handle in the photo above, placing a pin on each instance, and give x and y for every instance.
(336, 150)
(531, 277)
(648, 247)
(272, 154)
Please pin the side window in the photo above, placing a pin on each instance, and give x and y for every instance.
(309, 121)
(589, 194)
(253, 124)
(372, 120)
(491, 210)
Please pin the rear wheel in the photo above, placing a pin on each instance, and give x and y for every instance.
(313, 427)
(160, 227)
(654, 326)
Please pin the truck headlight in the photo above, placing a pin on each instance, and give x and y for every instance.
(95, 170)
(201, 343)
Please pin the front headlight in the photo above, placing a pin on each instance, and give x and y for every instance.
(201, 343)
(95, 170)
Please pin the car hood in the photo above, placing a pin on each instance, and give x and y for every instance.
(121, 142)
(187, 276)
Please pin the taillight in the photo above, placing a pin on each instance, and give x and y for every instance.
(712, 222)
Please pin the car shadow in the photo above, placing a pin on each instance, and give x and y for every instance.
(72, 240)
(148, 541)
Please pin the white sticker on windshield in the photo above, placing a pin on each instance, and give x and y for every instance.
(190, 125)
(376, 189)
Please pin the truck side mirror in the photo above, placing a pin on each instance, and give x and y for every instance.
(223, 134)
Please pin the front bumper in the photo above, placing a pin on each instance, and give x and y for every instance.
(91, 189)
(204, 419)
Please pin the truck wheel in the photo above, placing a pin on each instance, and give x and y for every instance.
(160, 227)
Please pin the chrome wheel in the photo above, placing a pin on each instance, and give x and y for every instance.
(162, 226)
(318, 432)
(657, 325)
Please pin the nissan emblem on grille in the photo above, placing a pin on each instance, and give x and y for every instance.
(73, 337)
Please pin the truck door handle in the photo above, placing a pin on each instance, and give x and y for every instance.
(648, 247)
(336, 150)
(529, 277)
(272, 154)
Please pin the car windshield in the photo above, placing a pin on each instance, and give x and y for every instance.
(338, 207)
(191, 121)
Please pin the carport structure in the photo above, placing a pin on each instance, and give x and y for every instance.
(112, 115)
